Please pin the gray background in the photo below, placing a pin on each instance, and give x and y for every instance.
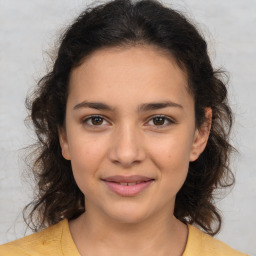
(28, 30)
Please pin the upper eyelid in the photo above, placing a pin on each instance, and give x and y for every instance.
(91, 116)
(171, 120)
(165, 116)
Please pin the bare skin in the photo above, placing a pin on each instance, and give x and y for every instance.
(144, 126)
(127, 239)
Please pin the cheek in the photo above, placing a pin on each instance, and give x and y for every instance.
(171, 156)
(86, 156)
(171, 151)
(86, 150)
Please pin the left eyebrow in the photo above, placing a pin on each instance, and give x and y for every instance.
(142, 108)
(158, 105)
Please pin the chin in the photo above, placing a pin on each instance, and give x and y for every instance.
(127, 214)
(129, 219)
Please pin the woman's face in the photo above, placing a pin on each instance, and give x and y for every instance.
(130, 132)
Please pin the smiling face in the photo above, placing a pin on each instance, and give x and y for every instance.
(130, 132)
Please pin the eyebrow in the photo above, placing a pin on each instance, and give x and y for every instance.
(142, 108)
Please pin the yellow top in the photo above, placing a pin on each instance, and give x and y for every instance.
(57, 241)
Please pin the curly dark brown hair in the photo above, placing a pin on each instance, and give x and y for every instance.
(126, 23)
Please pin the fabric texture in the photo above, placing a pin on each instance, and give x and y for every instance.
(56, 240)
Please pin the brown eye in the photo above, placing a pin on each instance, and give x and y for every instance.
(97, 120)
(161, 121)
(94, 121)
(158, 120)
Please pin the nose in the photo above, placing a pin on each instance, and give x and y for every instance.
(126, 147)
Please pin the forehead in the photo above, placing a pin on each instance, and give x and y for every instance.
(116, 72)
(139, 56)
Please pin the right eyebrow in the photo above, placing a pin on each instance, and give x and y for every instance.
(94, 105)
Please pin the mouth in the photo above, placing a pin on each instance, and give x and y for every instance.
(128, 185)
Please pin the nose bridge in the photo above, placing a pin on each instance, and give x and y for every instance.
(127, 146)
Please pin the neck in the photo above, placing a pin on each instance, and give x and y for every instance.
(158, 235)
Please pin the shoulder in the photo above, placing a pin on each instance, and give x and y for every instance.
(45, 242)
(201, 244)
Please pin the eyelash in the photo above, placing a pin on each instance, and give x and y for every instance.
(170, 121)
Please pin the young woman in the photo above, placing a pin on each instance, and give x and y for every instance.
(133, 126)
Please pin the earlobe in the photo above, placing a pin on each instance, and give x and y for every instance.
(201, 136)
(64, 143)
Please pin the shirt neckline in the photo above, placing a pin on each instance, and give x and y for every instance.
(68, 246)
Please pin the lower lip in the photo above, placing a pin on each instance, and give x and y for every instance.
(124, 190)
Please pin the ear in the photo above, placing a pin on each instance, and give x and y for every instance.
(64, 143)
(201, 136)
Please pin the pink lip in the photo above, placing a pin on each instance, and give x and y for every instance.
(114, 185)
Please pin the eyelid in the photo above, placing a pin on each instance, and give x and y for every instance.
(170, 120)
(84, 120)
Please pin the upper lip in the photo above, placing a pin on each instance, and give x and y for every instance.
(127, 179)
